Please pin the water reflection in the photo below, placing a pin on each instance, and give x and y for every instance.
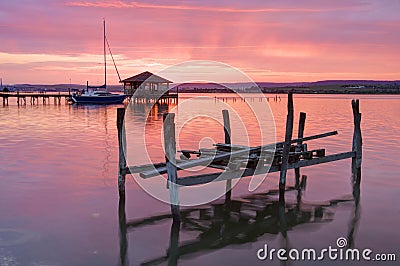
(236, 222)
(151, 111)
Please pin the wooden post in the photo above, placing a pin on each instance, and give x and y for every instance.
(227, 133)
(300, 134)
(287, 144)
(357, 146)
(170, 153)
(121, 148)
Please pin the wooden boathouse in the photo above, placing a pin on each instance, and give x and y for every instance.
(148, 86)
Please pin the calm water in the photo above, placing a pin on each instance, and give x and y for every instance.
(59, 199)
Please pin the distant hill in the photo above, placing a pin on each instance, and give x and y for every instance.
(355, 82)
(324, 86)
(56, 87)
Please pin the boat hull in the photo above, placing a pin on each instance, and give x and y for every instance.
(110, 99)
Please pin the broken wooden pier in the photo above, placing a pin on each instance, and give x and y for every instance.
(236, 161)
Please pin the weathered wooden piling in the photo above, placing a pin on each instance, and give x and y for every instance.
(287, 144)
(356, 146)
(299, 147)
(227, 135)
(121, 148)
(170, 160)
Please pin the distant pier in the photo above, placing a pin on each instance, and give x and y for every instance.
(34, 98)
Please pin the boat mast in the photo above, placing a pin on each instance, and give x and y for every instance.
(105, 59)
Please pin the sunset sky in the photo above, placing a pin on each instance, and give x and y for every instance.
(47, 41)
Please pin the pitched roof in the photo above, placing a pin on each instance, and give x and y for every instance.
(146, 76)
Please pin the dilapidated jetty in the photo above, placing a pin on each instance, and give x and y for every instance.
(236, 161)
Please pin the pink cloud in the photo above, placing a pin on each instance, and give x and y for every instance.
(267, 39)
(122, 4)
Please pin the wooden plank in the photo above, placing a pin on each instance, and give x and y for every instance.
(326, 159)
(170, 152)
(216, 166)
(220, 157)
(231, 146)
(286, 145)
(312, 137)
(145, 167)
(206, 178)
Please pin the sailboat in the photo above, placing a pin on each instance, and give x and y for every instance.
(92, 94)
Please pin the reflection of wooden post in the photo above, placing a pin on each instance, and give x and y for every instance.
(353, 226)
(357, 146)
(173, 251)
(300, 135)
(287, 144)
(170, 152)
(282, 216)
(123, 238)
(227, 133)
(121, 148)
